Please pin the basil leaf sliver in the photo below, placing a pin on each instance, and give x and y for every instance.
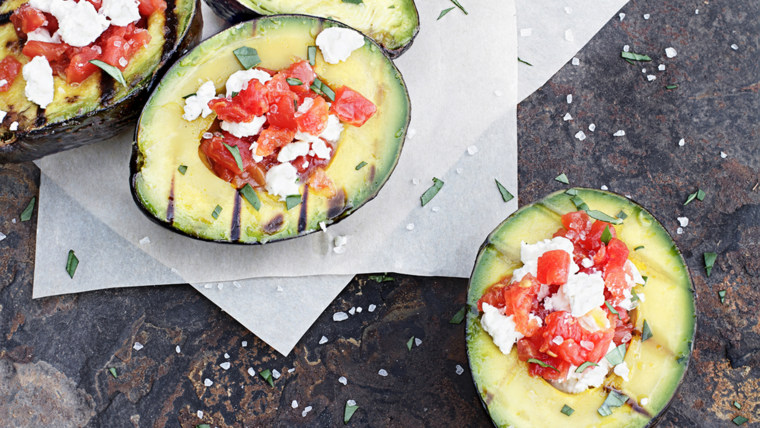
(617, 355)
(216, 212)
(381, 278)
(294, 81)
(409, 343)
(456, 3)
(562, 178)
(112, 370)
(505, 195)
(267, 376)
(542, 364)
(328, 92)
(110, 70)
(598, 215)
(444, 12)
(523, 61)
(292, 201)
(352, 1)
(612, 310)
(646, 332)
(348, 412)
(360, 165)
(709, 262)
(248, 57)
(250, 195)
(459, 316)
(71, 264)
(235, 152)
(431, 192)
(606, 235)
(614, 399)
(567, 410)
(634, 56)
(584, 366)
(311, 54)
(182, 169)
(26, 215)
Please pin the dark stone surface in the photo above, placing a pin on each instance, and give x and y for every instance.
(67, 344)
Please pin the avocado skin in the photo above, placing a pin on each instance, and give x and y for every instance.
(473, 315)
(234, 12)
(100, 124)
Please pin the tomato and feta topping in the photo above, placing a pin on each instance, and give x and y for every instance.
(566, 310)
(275, 130)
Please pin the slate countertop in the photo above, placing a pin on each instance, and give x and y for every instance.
(55, 353)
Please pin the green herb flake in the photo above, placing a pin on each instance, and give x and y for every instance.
(578, 202)
(640, 247)
(26, 215)
(248, 57)
(505, 195)
(585, 365)
(110, 70)
(459, 316)
(523, 61)
(682, 358)
(311, 54)
(182, 169)
(598, 215)
(634, 56)
(112, 370)
(700, 194)
(671, 87)
(612, 309)
(571, 192)
(352, 1)
(322, 89)
(250, 195)
(294, 81)
(617, 355)
(622, 215)
(292, 201)
(393, 6)
(349, 411)
(739, 420)
(456, 3)
(216, 212)
(381, 278)
(409, 343)
(614, 399)
(328, 92)
(188, 96)
(542, 364)
(71, 264)
(634, 296)
(203, 426)
(562, 178)
(722, 296)
(606, 235)
(646, 332)
(235, 152)
(267, 376)
(709, 262)
(567, 410)
(431, 192)
(360, 165)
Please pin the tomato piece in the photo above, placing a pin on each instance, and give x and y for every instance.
(314, 120)
(320, 181)
(114, 50)
(302, 71)
(220, 158)
(253, 98)
(351, 107)
(79, 67)
(617, 252)
(27, 19)
(278, 83)
(147, 7)
(9, 69)
(52, 51)
(528, 348)
(282, 110)
(494, 297)
(519, 301)
(615, 283)
(272, 139)
(594, 237)
(553, 267)
(578, 221)
(139, 38)
(229, 111)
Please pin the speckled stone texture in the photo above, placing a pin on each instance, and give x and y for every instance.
(67, 344)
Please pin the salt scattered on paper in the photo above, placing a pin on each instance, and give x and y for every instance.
(619, 133)
(580, 135)
(340, 316)
(526, 32)
(670, 52)
(144, 241)
(137, 346)
(569, 36)
(225, 365)
(382, 372)
(471, 150)
(460, 369)
(343, 380)
(323, 340)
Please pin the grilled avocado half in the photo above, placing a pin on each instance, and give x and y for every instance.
(391, 23)
(514, 398)
(187, 202)
(99, 107)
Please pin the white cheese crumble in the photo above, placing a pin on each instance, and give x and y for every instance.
(43, 35)
(622, 370)
(502, 329)
(683, 221)
(582, 293)
(304, 107)
(197, 105)
(334, 128)
(321, 150)
(670, 52)
(39, 81)
(282, 180)
(239, 79)
(292, 151)
(14, 126)
(529, 254)
(636, 275)
(120, 12)
(79, 24)
(337, 43)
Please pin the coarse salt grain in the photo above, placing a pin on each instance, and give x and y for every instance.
(417, 341)
(352, 310)
(137, 346)
(683, 221)
(236, 284)
(568, 10)
(371, 308)
(605, 187)
(177, 349)
(199, 413)
(679, 231)
(343, 380)
(626, 48)
(723, 155)
(619, 133)
(358, 309)
(435, 209)
(14, 126)
(567, 117)
(410, 226)
(382, 372)
(644, 70)
(323, 340)
(251, 372)
(220, 286)
(576, 61)
(459, 369)
(208, 382)
(351, 403)
(651, 77)
(411, 133)
(459, 170)
(225, 365)
(498, 93)
(226, 355)
(306, 410)
(569, 35)
(734, 46)
(291, 370)
(681, 142)
(670, 52)
(580, 135)
(415, 181)
(526, 32)
(661, 67)
(340, 316)
(621, 15)
(569, 98)
(644, 401)
(276, 374)
(592, 127)
(294, 404)
(646, 16)
(472, 150)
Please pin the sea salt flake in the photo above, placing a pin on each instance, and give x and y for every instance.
(236, 284)
(371, 308)
(410, 226)
(294, 404)
(526, 32)
(670, 52)
(580, 135)
(323, 340)
(681, 142)
(472, 150)
(679, 231)
(351, 403)
(661, 67)
(568, 10)
(644, 401)
(604, 187)
(459, 369)
(340, 316)
(567, 117)
(177, 349)
(646, 16)
(199, 413)
(306, 410)
(411, 133)
(569, 98)
(208, 382)
(137, 346)
(352, 311)
(644, 70)
(207, 285)
(723, 155)
(415, 181)
(621, 15)
(576, 61)
(498, 93)
(276, 374)
(359, 309)
(291, 370)
(382, 372)
(619, 133)
(280, 289)
(735, 46)
(626, 48)
(592, 127)
(651, 77)
(2, 236)
(251, 372)
(220, 286)
(343, 380)
(435, 209)
(225, 365)
(683, 221)
(569, 35)
(417, 341)
(459, 170)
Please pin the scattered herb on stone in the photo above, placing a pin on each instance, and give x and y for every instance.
(671, 87)
(110, 70)
(349, 411)
(431, 192)
(542, 364)
(360, 165)
(409, 343)
(567, 410)
(646, 332)
(739, 420)
(248, 57)
(562, 178)
(459, 316)
(709, 262)
(26, 215)
(634, 56)
(250, 195)
(505, 195)
(182, 169)
(113, 372)
(267, 376)
(722, 296)
(71, 264)
(381, 278)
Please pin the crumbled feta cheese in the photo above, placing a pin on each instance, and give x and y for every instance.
(567, 117)
(321, 149)
(683, 221)
(120, 12)
(337, 43)
(619, 133)
(592, 377)
(569, 35)
(197, 105)
(323, 340)
(43, 35)
(382, 372)
(636, 275)
(208, 382)
(592, 127)
(335, 128)
(254, 152)
(526, 32)
(304, 107)
(582, 293)
(471, 150)
(569, 98)
(576, 61)
(644, 401)
(587, 262)
(651, 77)
(371, 308)
(292, 151)
(306, 410)
(343, 380)
(340, 316)
(459, 369)
(529, 254)
(502, 329)
(661, 67)
(580, 135)
(622, 370)
(14, 126)
(39, 80)
(137, 346)
(670, 52)
(239, 79)
(2, 113)
(282, 180)
(225, 365)
(79, 24)
(294, 404)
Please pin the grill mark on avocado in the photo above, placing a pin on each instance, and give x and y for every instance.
(302, 219)
(337, 204)
(170, 207)
(170, 37)
(235, 229)
(5, 17)
(274, 224)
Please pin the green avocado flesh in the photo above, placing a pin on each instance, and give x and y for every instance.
(96, 93)
(165, 140)
(657, 365)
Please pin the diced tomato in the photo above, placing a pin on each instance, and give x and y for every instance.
(122, 42)
(137, 40)
(272, 139)
(254, 98)
(577, 220)
(351, 107)
(320, 181)
(229, 111)
(147, 7)
(519, 301)
(282, 110)
(27, 19)
(52, 51)
(616, 284)
(528, 348)
(9, 69)
(302, 71)
(617, 252)
(114, 49)
(553, 267)
(221, 159)
(278, 83)
(494, 296)
(79, 67)
(314, 121)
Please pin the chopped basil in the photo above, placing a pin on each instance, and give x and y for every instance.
(567, 410)
(634, 296)
(294, 81)
(188, 96)
(322, 89)
(352, 1)
(459, 316)
(646, 332)
(431, 192)
(622, 215)
(598, 215)
(699, 195)
(393, 6)
(182, 169)
(682, 358)
(110, 70)
(671, 87)
(542, 364)
(645, 278)
(234, 94)
(250, 195)
(737, 405)
(640, 247)
(311, 54)
(456, 3)
(571, 192)
(235, 152)
(444, 12)
(562, 178)
(409, 343)
(292, 200)
(709, 262)
(584, 366)
(614, 399)
(523, 61)
(612, 310)
(203, 426)
(617, 355)
(360, 165)
(381, 278)
(26, 215)
(505, 195)
(634, 56)
(739, 420)
(112, 370)
(248, 57)
(216, 212)
(267, 376)
(71, 264)
(606, 235)
(350, 408)
(722, 296)
(578, 202)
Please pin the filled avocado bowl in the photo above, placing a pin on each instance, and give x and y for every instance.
(269, 131)
(77, 73)
(582, 314)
